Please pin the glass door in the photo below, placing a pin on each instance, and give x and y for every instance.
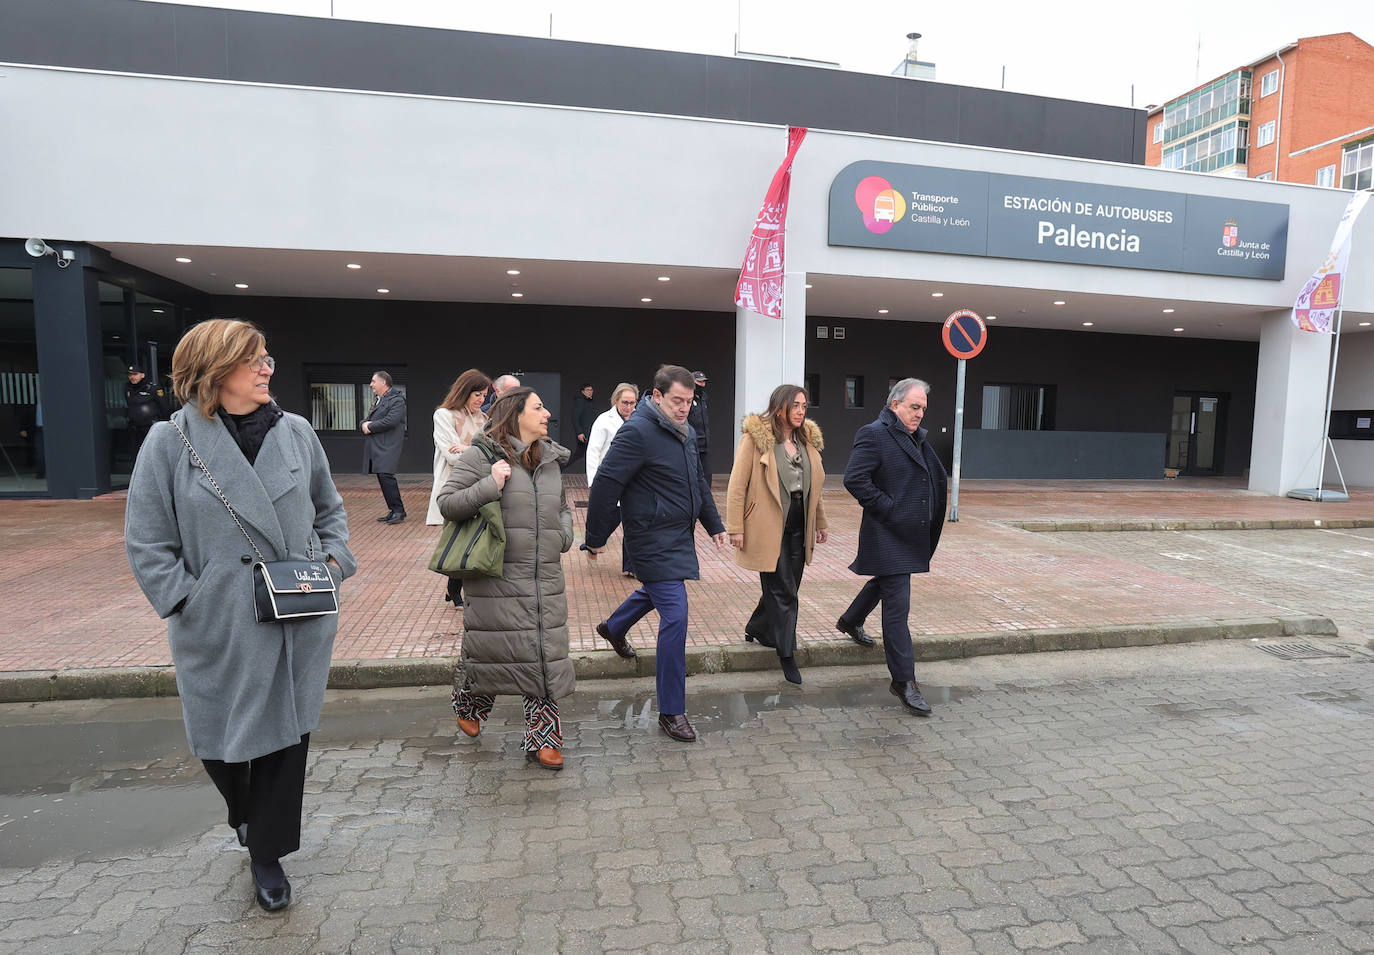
(1195, 433)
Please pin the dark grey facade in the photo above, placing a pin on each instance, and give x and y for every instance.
(1101, 383)
(601, 345)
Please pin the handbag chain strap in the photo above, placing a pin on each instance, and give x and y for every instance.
(224, 500)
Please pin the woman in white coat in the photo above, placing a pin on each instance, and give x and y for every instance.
(457, 420)
(623, 401)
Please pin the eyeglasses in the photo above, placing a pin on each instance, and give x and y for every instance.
(266, 361)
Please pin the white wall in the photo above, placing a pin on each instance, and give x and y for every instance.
(113, 158)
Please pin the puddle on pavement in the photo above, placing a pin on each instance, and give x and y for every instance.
(94, 790)
(717, 712)
(119, 782)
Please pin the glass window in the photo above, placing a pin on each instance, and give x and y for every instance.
(1159, 131)
(813, 389)
(1269, 83)
(340, 396)
(1357, 165)
(1018, 407)
(1265, 136)
(1326, 175)
(23, 469)
(854, 391)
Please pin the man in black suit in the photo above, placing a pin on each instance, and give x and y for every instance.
(385, 427)
(899, 481)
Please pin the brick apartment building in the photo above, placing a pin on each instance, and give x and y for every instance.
(1303, 113)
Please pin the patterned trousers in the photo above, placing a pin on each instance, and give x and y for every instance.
(542, 727)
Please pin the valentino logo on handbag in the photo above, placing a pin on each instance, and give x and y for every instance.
(283, 590)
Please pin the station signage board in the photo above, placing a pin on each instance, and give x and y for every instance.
(883, 205)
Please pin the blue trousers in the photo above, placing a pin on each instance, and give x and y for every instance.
(894, 590)
(669, 598)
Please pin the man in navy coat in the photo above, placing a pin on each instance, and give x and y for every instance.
(895, 475)
(385, 427)
(653, 471)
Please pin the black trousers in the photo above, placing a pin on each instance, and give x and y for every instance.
(775, 615)
(894, 590)
(391, 492)
(266, 793)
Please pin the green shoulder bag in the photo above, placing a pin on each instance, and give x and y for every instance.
(475, 547)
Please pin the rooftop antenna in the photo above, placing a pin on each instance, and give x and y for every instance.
(1197, 68)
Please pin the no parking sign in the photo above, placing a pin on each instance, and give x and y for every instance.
(964, 336)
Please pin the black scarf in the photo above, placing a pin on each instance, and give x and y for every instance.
(250, 430)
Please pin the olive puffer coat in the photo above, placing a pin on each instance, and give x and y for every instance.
(516, 625)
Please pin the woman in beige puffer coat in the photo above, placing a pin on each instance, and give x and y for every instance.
(516, 626)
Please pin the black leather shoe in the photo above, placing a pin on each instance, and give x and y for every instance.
(395, 517)
(910, 695)
(241, 830)
(855, 633)
(789, 670)
(760, 639)
(677, 727)
(384, 518)
(619, 644)
(271, 886)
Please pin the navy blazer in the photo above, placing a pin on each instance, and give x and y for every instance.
(656, 477)
(903, 488)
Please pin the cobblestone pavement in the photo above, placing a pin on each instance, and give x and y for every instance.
(1197, 798)
(986, 577)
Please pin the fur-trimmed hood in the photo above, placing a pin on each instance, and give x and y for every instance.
(758, 428)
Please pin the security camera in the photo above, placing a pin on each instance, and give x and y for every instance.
(38, 249)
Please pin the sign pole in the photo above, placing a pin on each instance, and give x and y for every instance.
(958, 442)
(964, 336)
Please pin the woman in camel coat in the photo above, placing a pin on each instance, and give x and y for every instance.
(774, 514)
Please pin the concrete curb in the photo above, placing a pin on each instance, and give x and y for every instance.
(1248, 524)
(121, 682)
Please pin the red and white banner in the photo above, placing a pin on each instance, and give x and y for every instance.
(1320, 297)
(760, 278)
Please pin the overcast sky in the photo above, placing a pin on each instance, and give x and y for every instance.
(1075, 49)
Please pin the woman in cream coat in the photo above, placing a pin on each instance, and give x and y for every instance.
(774, 514)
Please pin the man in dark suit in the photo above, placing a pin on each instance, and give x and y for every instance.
(385, 427)
(896, 477)
(652, 470)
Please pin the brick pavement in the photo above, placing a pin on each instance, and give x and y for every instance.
(72, 603)
(1204, 798)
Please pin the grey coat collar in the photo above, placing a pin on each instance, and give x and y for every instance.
(253, 489)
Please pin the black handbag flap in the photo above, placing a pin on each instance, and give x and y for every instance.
(297, 576)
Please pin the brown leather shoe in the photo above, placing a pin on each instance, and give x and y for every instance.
(548, 757)
(619, 644)
(471, 727)
(677, 727)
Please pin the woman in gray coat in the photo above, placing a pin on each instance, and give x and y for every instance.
(250, 692)
(515, 636)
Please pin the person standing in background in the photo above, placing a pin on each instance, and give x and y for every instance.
(700, 420)
(385, 427)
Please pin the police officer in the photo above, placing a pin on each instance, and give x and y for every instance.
(147, 405)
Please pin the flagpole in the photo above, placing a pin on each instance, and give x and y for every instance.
(1330, 395)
